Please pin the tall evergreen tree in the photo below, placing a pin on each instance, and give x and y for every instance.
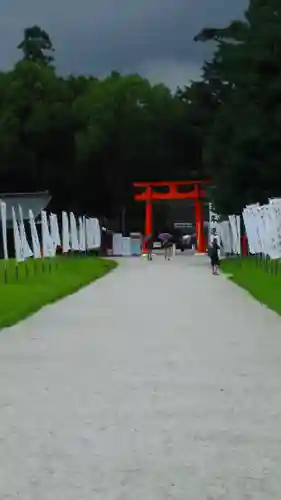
(37, 45)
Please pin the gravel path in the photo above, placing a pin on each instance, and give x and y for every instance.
(135, 390)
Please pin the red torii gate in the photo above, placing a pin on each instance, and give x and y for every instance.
(197, 193)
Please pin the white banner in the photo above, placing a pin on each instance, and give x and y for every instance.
(82, 234)
(17, 239)
(263, 228)
(34, 237)
(126, 246)
(93, 233)
(65, 233)
(73, 233)
(117, 246)
(4, 229)
(214, 221)
(96, 233)
(27, 252)
(89, 234)
(47, 241)
(251, 230)
(234, 221)
(225, 238)
(55, 233)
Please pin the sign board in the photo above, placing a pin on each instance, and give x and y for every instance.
(183, 225)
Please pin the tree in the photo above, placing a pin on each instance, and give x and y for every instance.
(242, 151)
(36, 45)
(36, 131)
(236, 32)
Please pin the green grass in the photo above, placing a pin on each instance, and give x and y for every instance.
(42, 282)
(262, 279)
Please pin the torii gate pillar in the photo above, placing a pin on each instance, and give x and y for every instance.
(148, 213)
(199, 222)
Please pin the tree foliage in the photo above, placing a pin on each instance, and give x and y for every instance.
(36, 45)
(242, 149)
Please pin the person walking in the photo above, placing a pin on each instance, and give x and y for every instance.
(167, 244)
(149, 247)
(214, 256)
(167, 249)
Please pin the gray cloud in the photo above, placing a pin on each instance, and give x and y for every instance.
(153, 37)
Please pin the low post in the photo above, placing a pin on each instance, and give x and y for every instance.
(5, 273)
(17, 272)
(148, 216)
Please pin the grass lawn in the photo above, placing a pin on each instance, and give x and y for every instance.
(44, 281)
(262, 280)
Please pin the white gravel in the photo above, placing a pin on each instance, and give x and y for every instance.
(158, 382)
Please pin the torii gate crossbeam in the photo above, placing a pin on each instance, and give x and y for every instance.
(197, 193)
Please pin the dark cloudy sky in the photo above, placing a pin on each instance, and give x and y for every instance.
(152, 37)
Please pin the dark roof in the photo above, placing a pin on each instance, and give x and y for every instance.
(34, 201)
